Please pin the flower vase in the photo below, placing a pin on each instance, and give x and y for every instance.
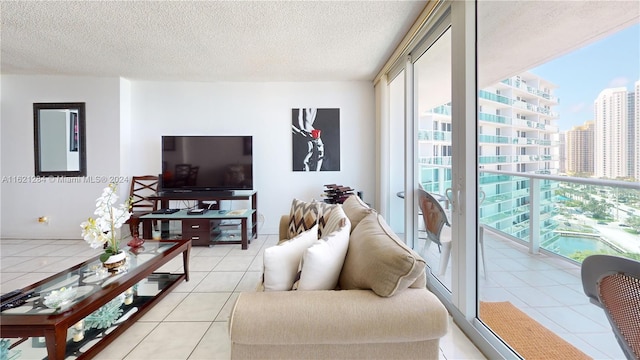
(114, 262)
(135, 242)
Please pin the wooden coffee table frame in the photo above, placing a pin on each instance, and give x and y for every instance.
(53, 327)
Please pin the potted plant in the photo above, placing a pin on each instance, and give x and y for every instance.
(102, 231)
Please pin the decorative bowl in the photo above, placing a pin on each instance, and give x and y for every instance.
(60, 298)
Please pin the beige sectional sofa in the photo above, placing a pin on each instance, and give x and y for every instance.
(380, 309)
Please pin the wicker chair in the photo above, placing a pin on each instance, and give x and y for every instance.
(613, 283)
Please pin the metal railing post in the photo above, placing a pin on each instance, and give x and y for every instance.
(534, 216)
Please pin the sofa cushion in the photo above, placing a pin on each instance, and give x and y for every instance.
(281, 262)
(378, 260)
(356, 210)
(303, 216)
(337, 317)
(322, 262)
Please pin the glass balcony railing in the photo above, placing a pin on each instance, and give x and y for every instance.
(572, 217)
(442, 109)
(520, 85)
(494, 139)
(494, 97)
(494, 118)
(435, 160)
(434, 135)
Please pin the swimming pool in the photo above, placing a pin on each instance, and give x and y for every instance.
(567, 245)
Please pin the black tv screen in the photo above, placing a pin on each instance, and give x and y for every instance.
(207, 163)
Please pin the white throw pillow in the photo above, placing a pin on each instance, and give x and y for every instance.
(322, 262)
(281, 261)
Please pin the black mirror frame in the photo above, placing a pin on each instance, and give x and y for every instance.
(82, 143)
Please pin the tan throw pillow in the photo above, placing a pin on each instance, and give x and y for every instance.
(356, 210)
(303, 216)
(378, 260)
(331, 217)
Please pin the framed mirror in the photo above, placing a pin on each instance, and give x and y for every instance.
(59, 139)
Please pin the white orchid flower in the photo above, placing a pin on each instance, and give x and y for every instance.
(102, 230)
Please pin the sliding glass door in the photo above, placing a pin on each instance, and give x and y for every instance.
(433, 140)
(557, 86)
(529, 184)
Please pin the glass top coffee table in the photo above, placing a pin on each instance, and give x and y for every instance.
(77, 312)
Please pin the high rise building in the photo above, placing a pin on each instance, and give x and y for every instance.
(579, 149)
(636, 131)
(562, 150)
(631, 134)
(611, 114)
(516, 133)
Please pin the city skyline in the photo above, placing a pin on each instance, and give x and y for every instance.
(582, 74)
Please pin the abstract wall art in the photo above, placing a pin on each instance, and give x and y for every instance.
(315, 139)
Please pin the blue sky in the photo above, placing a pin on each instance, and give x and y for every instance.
(582, 74)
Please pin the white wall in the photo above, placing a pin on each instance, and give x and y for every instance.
(262, 110)
(66, 204)
(126, 118)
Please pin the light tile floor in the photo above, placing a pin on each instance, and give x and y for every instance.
(190, 322)
(545, 287)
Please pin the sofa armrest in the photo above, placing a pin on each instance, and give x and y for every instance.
(336, 317)
(284, 228)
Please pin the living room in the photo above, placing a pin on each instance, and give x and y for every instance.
(127, 113)
(126, 117)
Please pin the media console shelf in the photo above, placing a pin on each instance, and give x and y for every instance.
(210, 228)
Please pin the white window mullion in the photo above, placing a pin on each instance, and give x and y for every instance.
(383, 131)
(410, 156)
(464, 181)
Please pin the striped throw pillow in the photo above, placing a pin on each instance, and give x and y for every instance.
(330, 218)
(303, 216)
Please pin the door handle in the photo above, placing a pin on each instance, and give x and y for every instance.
(455, 199)
(448, 193)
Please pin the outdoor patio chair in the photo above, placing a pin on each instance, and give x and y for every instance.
(613, 283)
(434, 220)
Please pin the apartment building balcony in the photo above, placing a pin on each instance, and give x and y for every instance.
(517, 123)
(531, 90)
(435, 160)
(441, 110)
(434, 135)
(545, 110)
(510, 159)
(494, 139)
(535, 263)
(483, 94)
(498, 119)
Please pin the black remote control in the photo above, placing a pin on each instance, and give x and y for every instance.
(9, 295)
(13, 301)
(12, 304)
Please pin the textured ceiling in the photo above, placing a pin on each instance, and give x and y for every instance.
(204, 40)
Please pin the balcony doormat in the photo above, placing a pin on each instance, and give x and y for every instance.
(525, 335)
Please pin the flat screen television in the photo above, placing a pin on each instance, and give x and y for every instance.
(206, 163)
